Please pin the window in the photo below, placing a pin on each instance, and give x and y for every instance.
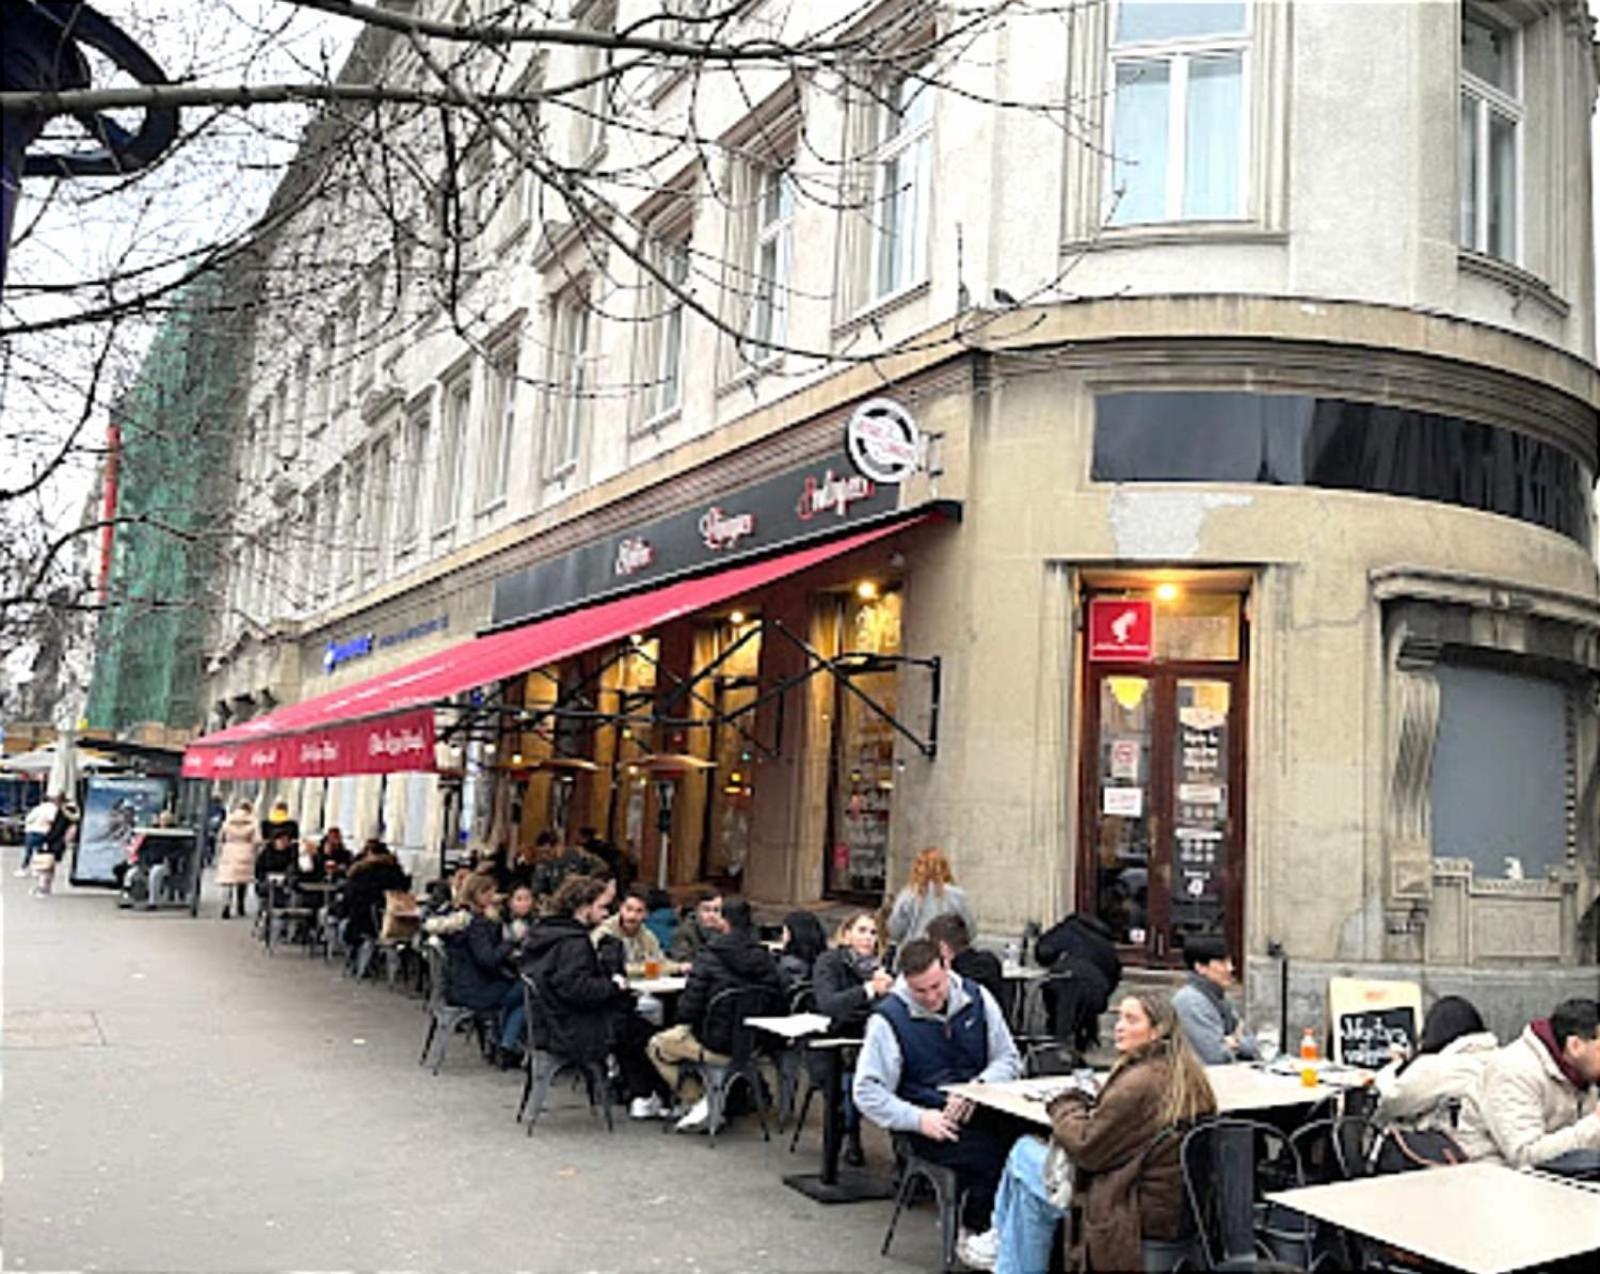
(499, 420)
(589, 79)
(408, 509)
(327, 538)
(568, 407)
(286, 441)
(452, 442)
(354, 531)
(1178, 117)
(1491, 120)
(302, 393)
(774, 248)
(476, 194)
(375, 522)
(660, 338)
(308, 553)
(343, 352)
(376, 313)
(322, 400)
(900, 186)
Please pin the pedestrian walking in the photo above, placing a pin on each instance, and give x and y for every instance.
(63, 827)
(36, 827)
(237, 846)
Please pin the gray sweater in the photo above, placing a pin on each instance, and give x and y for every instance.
(912, 911)
(1207, 1020)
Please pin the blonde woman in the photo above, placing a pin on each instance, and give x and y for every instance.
(1126, 1168)
(847, 982)
(931, 891)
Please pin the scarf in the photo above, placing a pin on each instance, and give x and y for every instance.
(1541, 1028)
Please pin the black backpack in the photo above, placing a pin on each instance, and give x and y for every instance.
(1405, 1150)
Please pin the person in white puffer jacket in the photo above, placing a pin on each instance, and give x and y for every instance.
(1427, 1090)
(1536, 1100)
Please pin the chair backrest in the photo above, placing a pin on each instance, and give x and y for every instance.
(802, 999)
(1228, 1164)
(433, 953)
(739, 1003)
(534, 1008)
(1339, 1148)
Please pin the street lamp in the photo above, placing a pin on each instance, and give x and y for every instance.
(39, 54)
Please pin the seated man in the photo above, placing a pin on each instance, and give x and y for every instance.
(627, 929)
(695, 931)
(950, 934)
(1208, 1020)
(935, 1028)
(732, 957)
(1536, 1100)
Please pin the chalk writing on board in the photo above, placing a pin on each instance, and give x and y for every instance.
(1370, 1036)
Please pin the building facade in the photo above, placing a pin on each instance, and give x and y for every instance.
(1246, 580)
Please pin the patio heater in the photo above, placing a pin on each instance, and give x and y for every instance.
(40, 53)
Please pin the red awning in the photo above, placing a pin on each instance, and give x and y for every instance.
(385, 723)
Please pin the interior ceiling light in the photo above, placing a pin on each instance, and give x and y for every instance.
(1167, 592)
(866, 590)
(736, 618)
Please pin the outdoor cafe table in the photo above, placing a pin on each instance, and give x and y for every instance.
(1238, 1087)
(1480, 1217)
(669, 985)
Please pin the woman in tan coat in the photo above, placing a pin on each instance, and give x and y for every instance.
(238, 842)
(1122, 1144)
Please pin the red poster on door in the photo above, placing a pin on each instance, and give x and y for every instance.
(1121, 630)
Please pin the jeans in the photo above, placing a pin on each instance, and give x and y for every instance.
(1024, 1219)
(513, 1015)
(32, 842)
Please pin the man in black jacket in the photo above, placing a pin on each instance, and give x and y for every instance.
(1080, 945)
(732, 958)
(950, 934)
(588, 1013)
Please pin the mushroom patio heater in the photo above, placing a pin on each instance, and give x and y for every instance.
(41, 51)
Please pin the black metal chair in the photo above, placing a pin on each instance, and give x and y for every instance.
(280, 908)
(719, 1078)
(946, 1194)
(444, 1018)
(1338, 1148)
(791, 1060)
(1228, 1167)
(541, 1066)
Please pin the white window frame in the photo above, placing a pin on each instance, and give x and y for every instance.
(888, 150)
(322, 401)
(776, 233)
(454, 422)
(499, 424)
(1489, 100)
(592, 61)
(1179, 54)
(347, 336)
(375, 523)
(663, 338)
(568, 403)
(309, 553)
(374, 312)
(327, 537)
(418, 433)
(355, 507)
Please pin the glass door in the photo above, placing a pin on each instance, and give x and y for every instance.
(1163, 853)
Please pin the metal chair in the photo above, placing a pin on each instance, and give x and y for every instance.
(444, 1018)
(280, 909)
(742, 1064)
(1228, 1166)
(541, 1066)
(946, 1193)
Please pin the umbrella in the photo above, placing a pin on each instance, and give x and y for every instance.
(41, 761)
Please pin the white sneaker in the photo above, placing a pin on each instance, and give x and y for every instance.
(645, 1107)
(698, 1119)
(979, 1251)
(22, 871)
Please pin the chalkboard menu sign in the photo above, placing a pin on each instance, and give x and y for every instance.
(1372, 1018)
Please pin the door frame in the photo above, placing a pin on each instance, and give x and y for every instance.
(1164, 677)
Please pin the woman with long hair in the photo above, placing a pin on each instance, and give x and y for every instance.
(477, 955)
(847, 981)
(803, 941)
(1424, 1090)
(1122, 1144)
(931, 891)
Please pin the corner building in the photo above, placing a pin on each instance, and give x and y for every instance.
(1248, 583)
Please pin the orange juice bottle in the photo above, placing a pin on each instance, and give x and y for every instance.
(1308, 1055)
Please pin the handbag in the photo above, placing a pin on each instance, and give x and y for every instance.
(1406, 1150)
(401, 916)
(1058, 1176)
(43, 862)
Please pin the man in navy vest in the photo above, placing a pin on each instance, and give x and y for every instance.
(936, 1028)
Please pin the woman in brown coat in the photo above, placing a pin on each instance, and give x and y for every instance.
(1121, 1145)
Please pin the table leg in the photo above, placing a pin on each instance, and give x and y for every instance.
(832, 1118)
(833, 1184)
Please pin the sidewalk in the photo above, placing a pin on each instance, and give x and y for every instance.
(176, 1100)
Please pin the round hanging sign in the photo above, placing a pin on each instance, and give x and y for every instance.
(883, 441)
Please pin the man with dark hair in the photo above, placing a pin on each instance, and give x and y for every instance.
(1209, 1022)
(627, 929)
(949, 933)
(694, 931)
(732, 957)
(935, 1028)
(1537, 1100)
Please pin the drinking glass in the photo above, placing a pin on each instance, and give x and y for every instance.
(1267, 1043)
(652, 968)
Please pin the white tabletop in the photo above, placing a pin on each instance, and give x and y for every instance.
(1479, 1217)
(1022, 972)
(793, 1026)
(1238, 1087)
(658, 986)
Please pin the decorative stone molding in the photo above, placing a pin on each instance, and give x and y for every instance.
(1413, 731)
(1480, 921)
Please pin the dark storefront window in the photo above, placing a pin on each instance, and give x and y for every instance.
(863, 757)
(1298, 440)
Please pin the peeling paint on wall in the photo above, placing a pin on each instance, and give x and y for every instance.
(1164, 525)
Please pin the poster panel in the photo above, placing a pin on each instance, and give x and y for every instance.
(112, 808)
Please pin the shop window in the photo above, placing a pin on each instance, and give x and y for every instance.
(1501, 772)
(733, 781)
(863, 751)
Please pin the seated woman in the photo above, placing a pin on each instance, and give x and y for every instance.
(589, 1013)
(477, 975)
(371, 877)
(332, 860)
(1425, 1091)
(803, 942)
(1122, 1146)
(520, 918)
(847, 982)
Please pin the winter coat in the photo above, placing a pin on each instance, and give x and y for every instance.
(1127, 1174)
(1208, 1020)
(55, 840)
(913, 910)
(984, 968)
(1078, 942)
(637, 949)
(581, 1001)
(663, 922)
(476, 976)
(1524, 1111)
(273, 861)
(237, 845)
(728, 960)
(369, 880)
(272, 829)
(839, 988)
(1421, 1093)
(41, 818)
(688, 939)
